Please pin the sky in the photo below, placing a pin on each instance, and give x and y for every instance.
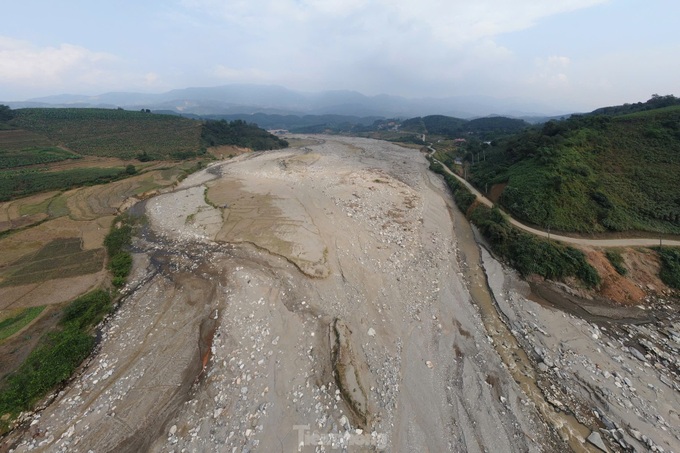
(567, 53)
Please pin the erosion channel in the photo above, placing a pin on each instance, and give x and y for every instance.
(330, 294)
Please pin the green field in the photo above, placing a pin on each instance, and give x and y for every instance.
(60, 258)
(20, 139)
(13, 324)
(113, 133)
(34, 156)
(19, 183)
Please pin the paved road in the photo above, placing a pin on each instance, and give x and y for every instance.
(621, 242)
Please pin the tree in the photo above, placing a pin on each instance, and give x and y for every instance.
(6, 113)
(130, 169)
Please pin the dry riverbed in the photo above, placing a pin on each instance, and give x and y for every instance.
(315, 298)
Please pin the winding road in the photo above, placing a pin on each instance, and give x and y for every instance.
(621, 242)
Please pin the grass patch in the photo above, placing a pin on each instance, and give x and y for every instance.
(616, 260)
(12, 325)
(670, 266)
(55, 358)
(54, 207)
(58, 207)
(36, 208)
(116, 243)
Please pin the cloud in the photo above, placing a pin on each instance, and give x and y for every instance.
(27, 68)
(551, 71)
(406, 47)
(20, 61)
(251, 75)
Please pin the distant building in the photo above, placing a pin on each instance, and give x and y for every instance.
(458, 161)
(459, 140)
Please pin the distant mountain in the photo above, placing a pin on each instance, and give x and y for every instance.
(273, 99)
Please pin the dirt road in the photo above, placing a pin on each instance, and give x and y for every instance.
(289, 298)
(622, 242)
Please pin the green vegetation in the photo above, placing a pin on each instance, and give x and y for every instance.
(591, 173)
(616, 260)
(55, 358)
(34, 156)
(524, 252)
(43, 136)
(112, 133)
(19, 183)
(12, 325)
(656, 102)
(61, 258)
(670, 266)
(447, 126)
(239, 133)
(116, 243)
(6, 113)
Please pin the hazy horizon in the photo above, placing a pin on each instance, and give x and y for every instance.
(573, 54)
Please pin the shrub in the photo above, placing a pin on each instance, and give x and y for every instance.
(616, 260)
(526, 253)
(55, 358)
(670, 266)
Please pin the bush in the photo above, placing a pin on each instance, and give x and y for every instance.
(87, 310)
(121, 265)
(670, 266)
(55, 358)
(526, 253)
(118, 239)
(616, 260)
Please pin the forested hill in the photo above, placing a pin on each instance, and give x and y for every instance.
(592, 173)
(127, 134)
(656, 102)
(456, 127)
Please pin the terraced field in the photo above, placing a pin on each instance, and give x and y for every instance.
(61, 258)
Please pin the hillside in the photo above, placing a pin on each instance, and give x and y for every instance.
(34, 142)
(112, 133)
(591, 173)
(447, 126)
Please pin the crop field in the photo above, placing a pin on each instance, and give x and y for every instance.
(19, 139)
(15, 320)
(61, 258)
(113, 133)
(18, 183)
(34, 156)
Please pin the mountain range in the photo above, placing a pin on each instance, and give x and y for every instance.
(273, 99)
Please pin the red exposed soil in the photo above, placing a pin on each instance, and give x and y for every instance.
(496, 191)
(631, 289)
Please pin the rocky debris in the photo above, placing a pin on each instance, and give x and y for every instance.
(261, 375)
(346, 370)
(596, 440)
(617, 374)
